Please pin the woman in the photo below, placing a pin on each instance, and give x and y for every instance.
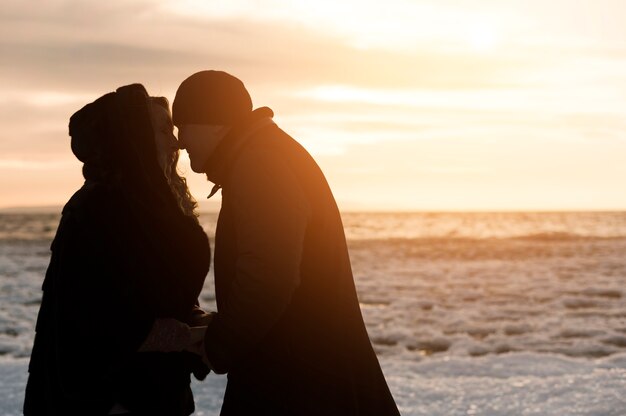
(128, 262)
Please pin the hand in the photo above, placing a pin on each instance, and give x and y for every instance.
(167, 335)
(197, 334)
(197, 344)
(201, 318)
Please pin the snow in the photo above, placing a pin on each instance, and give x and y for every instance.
(507, 384)
(486, 322)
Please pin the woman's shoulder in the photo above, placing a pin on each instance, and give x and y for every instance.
(81, 216)
(92, 201)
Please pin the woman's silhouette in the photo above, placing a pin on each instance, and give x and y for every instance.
(128, 252)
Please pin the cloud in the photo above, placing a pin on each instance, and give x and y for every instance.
(48, 165)
(415, 101)
(88, 66)
(77, 45)
(69, 45)
(65, 54)
(76, 13)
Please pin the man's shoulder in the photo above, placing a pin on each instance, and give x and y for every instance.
(257, 160)
(265, 164)
(273, 143)
(259, 149)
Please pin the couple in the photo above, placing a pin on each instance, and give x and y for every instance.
(120, 330)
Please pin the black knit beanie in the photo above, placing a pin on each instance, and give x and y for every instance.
(211, 97)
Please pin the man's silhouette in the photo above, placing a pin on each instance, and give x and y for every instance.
(288, 330)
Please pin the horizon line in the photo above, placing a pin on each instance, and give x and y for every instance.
(364, 210)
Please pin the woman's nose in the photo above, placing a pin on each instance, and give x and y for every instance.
(175, 143)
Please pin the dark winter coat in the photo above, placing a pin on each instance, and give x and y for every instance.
(123, 255)
(289, 330)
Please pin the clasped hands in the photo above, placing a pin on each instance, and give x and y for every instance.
(171, 335)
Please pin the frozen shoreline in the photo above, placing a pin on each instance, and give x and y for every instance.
(475, 322)
(494, 385)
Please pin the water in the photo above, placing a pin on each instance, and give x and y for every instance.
(483, 225)
(470, 313)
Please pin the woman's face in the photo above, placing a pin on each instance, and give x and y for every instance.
(166, 143)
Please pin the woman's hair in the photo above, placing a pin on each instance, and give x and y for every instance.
(177, 183)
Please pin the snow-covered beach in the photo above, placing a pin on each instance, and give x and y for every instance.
(496, 385)
(471, 314)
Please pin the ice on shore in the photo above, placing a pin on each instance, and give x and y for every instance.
(494, 385)
(482, 314)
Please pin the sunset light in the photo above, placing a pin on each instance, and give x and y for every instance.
(313, 207)
(482, 38)
(525, 95)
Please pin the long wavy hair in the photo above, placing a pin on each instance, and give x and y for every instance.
(177, 183)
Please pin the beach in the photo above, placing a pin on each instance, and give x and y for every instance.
(469, 313)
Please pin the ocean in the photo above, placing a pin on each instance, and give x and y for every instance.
(470, 313)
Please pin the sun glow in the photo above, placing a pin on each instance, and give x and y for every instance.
(405, 103)
(482, 38)
(408, 25)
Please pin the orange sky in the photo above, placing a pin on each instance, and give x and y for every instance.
(426, 105)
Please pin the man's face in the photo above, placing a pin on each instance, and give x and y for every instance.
(200, 141)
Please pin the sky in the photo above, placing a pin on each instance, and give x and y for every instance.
(405, 104)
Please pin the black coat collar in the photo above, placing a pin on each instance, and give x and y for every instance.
(218, 166)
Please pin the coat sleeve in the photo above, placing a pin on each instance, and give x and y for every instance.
(98, 325)
(271, 214)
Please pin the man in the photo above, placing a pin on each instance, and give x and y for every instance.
(288, 330)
